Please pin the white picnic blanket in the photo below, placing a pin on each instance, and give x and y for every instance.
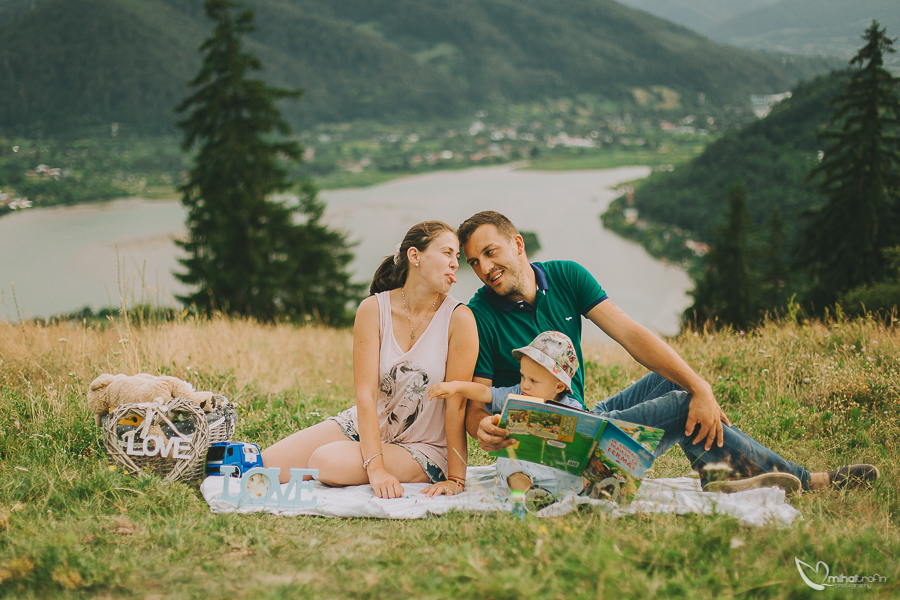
(486, 493)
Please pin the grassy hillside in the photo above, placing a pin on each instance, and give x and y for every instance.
(100, 61)
(823, 395)
(772, 156)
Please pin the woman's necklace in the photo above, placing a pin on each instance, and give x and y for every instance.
(412, 331)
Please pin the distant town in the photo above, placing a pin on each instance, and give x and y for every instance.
(566, 133)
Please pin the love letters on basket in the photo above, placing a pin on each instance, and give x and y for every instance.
(167, 439)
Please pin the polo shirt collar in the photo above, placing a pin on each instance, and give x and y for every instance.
(540, 278)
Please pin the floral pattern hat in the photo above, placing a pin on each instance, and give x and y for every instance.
(555, 352)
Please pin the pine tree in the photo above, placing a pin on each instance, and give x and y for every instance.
(248, 254)
(882, 298)
(774, 266)
(725, 291)
(844, 240)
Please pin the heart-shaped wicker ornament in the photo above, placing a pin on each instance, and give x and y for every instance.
(169, 440)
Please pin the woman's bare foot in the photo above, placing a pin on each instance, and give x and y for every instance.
(519, 481)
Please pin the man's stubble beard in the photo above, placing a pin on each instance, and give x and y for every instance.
(516, 281)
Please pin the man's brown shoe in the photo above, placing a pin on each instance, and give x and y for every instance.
(854, 476)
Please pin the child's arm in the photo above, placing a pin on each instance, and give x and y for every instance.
(468, 389)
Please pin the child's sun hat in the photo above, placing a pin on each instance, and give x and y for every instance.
(555, 352)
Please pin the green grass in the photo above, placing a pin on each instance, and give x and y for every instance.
(610, 159)
(345, 179)
(594, 159)
(70, 527)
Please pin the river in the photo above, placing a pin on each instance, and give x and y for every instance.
(61, 259)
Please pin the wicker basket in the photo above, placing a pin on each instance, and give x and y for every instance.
(169, 440)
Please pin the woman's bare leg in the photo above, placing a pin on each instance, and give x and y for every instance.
(294, 451)
(340, 463)
(325, 447)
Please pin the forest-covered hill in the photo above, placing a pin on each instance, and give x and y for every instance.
(70, 63)
(772, 157)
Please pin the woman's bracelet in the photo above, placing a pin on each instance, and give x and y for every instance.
(366, 462)
(457, 480)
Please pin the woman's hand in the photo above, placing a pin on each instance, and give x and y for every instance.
(384, 484)
(441, 390)
(449, 487)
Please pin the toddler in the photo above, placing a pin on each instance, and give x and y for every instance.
(546, 365)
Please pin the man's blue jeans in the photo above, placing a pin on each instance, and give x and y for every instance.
(656, 402)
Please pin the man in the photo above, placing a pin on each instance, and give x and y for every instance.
(520, 300)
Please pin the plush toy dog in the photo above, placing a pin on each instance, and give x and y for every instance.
(109, 391)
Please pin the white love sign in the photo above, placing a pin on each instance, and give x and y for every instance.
(260, 485)
(153, 445)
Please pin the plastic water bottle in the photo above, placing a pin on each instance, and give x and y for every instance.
(518, 504)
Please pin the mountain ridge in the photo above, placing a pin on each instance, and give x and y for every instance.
(100, 61)
(809, 26)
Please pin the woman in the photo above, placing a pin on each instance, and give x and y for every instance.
(408, 335)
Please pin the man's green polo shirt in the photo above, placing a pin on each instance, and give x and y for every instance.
(565, 292)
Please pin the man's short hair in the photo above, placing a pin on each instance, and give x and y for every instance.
(486, 217)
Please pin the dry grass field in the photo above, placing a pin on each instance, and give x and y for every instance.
(822, 394)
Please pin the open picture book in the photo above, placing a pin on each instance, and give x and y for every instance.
(609, 453)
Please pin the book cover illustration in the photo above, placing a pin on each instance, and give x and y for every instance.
(646, 436)
(617, 463)
(549, 434)
(611, 454)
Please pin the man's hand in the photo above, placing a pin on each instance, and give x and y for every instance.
(705, 411)
(492, 438)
